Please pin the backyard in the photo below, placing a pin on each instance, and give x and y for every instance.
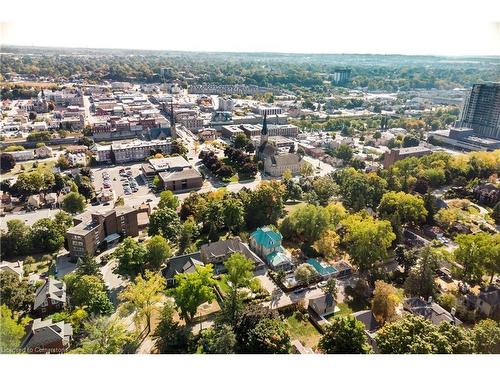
(303, 331)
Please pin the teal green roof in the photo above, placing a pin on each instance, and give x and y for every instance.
(276, 258)
(267, 238)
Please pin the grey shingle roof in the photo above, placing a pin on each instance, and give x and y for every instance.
(430, 311)
(43, 333)
(53, 289)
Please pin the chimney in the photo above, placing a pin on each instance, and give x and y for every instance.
(429, 300)
(453, 312)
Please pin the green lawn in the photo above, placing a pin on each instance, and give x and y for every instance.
(28, 167)
(223, 287)
(344, 310)
(303, 331)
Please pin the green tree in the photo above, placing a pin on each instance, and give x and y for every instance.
(486, 335)
(166, 223)
(16, 241)
(194, 205)
(189, 231)
(475, 253)
(366, 240)
(73, 203)
(158, 250)
(327, 244)
(306, 224)
(234, 214)
(218, 340)
(460, 339)
(131, 257)
(192, 290)
(88, 292)
(239, 274)
(410, 208)
(496, 213)
(412, 334)
(448, 301)
(270, 336)
(7, 162)
(143, 296)
(265, 204)
(16, 294)
(306, 170)
(248, 320)
(11, 333)
(104, 336)
(345, 335)
(168, 200)
(344, 152)
(386, 299)
(305, 274)
(421, 279)
(87, 265)
(324, 187)
(170, 338)
(46, 236)
(241, 141)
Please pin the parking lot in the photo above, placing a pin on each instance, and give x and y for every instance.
(125, 181)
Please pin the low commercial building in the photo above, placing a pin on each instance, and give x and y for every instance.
(463, 139)
(276, 165)
(231, 131)
(22, 155)
(100, 230)
(402, 153)
(187, 179)
(127, 151)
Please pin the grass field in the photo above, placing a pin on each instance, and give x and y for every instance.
(28, 167)
(303, 331)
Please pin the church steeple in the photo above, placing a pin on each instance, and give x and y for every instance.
(263, 133)
(173, 130)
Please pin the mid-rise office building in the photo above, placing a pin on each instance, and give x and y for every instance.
(341, 76)
(481, 111)
(99, 230)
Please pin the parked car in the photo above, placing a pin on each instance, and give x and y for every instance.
(445, 274)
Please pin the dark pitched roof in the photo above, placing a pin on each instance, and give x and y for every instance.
(368, 319)
(490, 295)
(42, 333)
(430, 311)
(224, 247)
(181, 264)
(53, 289)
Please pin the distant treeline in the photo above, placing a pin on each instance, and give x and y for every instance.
(291, 71)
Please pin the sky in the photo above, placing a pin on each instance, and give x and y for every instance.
(437, 27)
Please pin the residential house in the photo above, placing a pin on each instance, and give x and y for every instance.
(43, 152)
(266, 243)
(186, 263)
(430, 310)
(44, 336)
(14, 268)
(34, 201)
(487, 194)
(323, 305)
(51, 199)
(371, 326)
(50, 297)
(488, 301)
(217, 253)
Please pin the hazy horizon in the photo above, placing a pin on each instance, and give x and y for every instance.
(387, 27)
